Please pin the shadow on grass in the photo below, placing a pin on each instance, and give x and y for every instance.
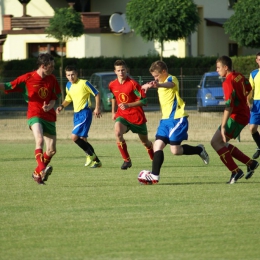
(206, 183)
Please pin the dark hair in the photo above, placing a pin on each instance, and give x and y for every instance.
(44, 59)
(158, 66)
(71, 68)
(120, 63)
(226, 61)
(258, 54)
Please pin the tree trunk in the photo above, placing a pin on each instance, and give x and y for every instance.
(161, 54)
(61, 72)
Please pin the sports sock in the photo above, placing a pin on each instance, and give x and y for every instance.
(226, 158)
(40, 160)
(46, 158)
(84, 146)
(92, 149)
(150, 151)
(191, 150)
(256, 138)
(157, 162)
(123, 150)
(237, 154)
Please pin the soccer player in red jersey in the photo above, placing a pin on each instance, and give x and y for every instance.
(236, 116)
(40, 90)
(129, 98)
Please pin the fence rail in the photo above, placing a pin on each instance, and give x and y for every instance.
(187, 85)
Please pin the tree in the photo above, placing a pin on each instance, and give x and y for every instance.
(244, 25)
(65, 24)
(168, 20)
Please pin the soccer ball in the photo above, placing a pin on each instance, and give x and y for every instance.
(141, 176)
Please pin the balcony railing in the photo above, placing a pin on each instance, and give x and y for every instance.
(93, 23)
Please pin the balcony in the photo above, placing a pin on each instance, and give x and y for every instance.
(93, 23)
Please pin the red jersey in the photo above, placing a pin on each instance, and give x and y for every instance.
(236, 88)
(128, 92)
(36, 90)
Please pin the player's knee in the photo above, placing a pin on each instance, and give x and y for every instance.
(148, 144)
(175, 152)
(52, 152)
(74, 137)
(118, 134)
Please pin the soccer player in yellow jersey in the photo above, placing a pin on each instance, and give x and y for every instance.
(78, 91)
(254, 80)
(173, 127)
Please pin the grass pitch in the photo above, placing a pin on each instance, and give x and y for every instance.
(104, 213)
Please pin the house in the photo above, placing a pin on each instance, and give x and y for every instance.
(106, 32)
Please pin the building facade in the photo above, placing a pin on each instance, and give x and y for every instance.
(22, 31)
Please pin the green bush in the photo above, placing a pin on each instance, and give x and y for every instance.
(138, 66)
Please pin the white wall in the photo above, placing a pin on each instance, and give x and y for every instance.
(15, 47)
(214, 40)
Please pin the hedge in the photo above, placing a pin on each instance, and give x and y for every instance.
(137, 65)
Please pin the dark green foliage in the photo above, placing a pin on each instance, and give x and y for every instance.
(66, 23)
(138, 66)
(244, 25)
(244, 64)
(168, 20)
(152, 20)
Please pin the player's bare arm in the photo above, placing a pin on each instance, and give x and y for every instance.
(113, 108)
(62, 106)
(156, 84)
(146, 86)
(249, 97)
(124, 106)
(47, 107)
(226, 115)
(97, 111)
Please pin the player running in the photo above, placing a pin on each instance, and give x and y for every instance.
(235, 117)
(173, 127)
(128, 98)
(78, 91)
(40, 90)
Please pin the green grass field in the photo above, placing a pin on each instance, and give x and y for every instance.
(104, 213)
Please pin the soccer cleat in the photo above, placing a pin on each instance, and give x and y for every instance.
(147, 178)
(235, 176)
(126, 165)
(95, 164)
(37, 177)
(46, 173)
(256, 154)
(251, 169)
(204, 155)
(90, 159)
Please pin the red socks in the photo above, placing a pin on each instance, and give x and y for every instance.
(227, 159)
(123, 150)
(42, 160)
(237, 154)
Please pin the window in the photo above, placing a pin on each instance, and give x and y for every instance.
(231, 3)
(34, 49)
(232, 49)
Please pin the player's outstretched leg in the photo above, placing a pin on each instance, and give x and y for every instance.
(204, 155)
(251, 168)
(147, 178)
(46, 173)
(235, 175)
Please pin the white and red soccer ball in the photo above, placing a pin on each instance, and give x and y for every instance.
(147, 178)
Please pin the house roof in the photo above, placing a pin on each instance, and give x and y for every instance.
(215, 21)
